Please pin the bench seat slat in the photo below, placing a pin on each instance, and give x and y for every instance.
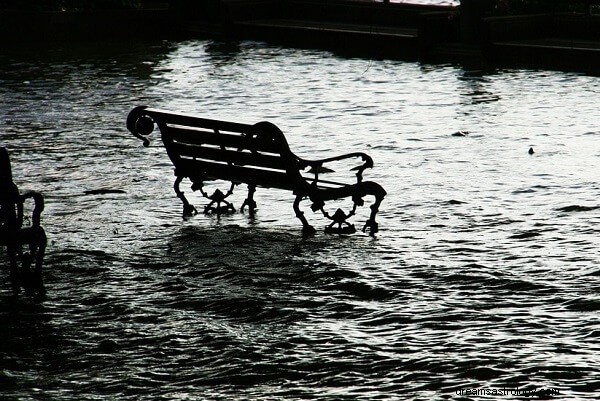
(248, 175)
(229, 156)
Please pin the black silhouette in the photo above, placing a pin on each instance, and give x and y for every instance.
(257, 155)
(25, 265)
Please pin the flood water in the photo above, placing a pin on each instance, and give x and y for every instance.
(484, 275)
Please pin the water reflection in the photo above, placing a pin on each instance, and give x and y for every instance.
(476, 87)
(223, 52)
(59, 61)
(484, 273)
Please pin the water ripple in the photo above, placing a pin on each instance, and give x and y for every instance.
(484, 274)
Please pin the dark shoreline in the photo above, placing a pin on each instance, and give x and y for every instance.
(437, 34)
(18, 28)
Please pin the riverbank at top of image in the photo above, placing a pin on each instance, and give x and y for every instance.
(427, 31)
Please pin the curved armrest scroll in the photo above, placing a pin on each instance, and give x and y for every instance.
(316, 165)
(140, 124)
(38, 208)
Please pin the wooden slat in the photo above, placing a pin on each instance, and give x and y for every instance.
(191, 121)
(227, 155)
(229, 139)
(248, 175)
(205, 136)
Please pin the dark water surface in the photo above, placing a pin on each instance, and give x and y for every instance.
(484, 276)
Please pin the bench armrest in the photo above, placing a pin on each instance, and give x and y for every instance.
(317, 165)
(38, 207)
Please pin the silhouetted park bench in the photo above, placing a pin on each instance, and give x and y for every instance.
(257, 155)
(25, 264)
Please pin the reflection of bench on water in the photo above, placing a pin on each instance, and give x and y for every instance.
(257, 155)
(25, 264)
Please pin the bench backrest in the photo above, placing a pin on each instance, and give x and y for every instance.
(203, 149)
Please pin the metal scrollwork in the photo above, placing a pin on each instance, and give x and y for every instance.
(218, 204)
(339, 224)
(140, 124)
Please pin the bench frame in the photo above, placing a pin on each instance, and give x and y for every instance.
(25, 264)
(256, 155)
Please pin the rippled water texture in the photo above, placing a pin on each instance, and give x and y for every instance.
(484, 274)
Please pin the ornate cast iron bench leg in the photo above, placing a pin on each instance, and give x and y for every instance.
(371, 225)
(339, 223)
(26, 266)
(188, 209)
(38, 251)
(339, 218)
(307, 229)
(218, 203)
(218, 198)
(249, 201)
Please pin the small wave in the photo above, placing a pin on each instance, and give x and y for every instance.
(513, 284)
(365, 291)
(466, 279)
(524, 191)
(526, 235)
(583, 305)
(455, 202)
(467, 250)
(7, 379)
(483, 373)
(85, 252)
(577, 208)
(254, 310)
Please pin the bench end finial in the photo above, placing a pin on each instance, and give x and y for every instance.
(140, 124)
